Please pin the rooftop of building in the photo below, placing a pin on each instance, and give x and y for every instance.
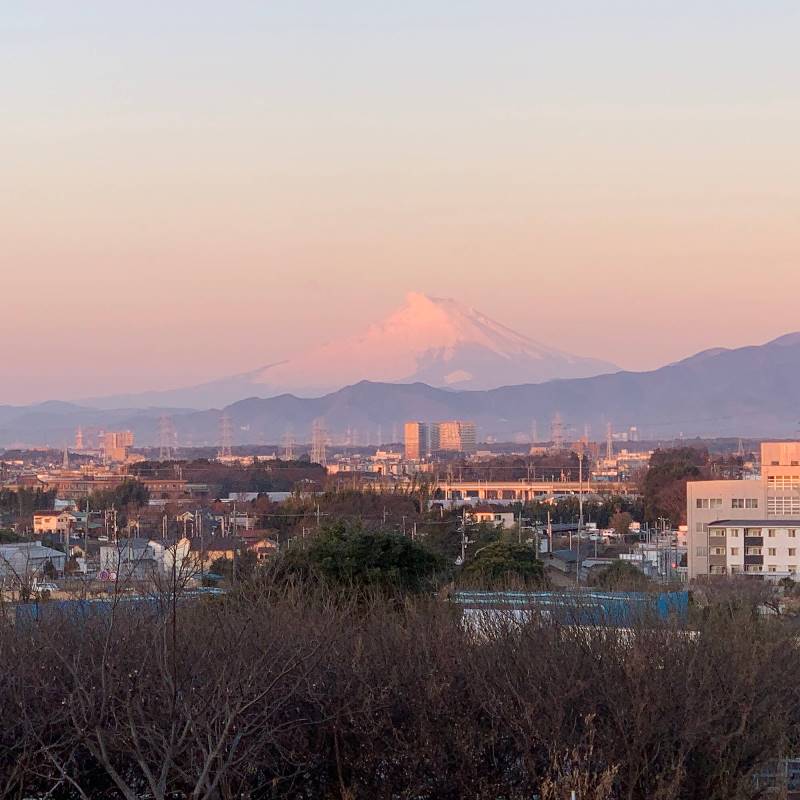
(487, 508)
(756, 523)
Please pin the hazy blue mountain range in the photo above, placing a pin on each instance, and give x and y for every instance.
(748, 391)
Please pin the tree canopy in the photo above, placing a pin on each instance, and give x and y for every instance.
(664, 485)
(351, 555)
(502, 563)
(130, 493)
(619, 576)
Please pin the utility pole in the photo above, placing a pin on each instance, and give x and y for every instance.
(580, 493)
(464, 535)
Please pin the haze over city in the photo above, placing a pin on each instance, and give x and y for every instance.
(399, 400)
(194, 190)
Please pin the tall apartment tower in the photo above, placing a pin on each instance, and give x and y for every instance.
(457, 436)
(117, 445)
(417, 440)
(745, 512)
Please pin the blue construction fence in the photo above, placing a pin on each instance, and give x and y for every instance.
(583, 607)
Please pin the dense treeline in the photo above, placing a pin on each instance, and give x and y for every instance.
(25, 501)
(283, 691)
(664, 485)
(262, 476)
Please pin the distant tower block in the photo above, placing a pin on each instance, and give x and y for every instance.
(65, 462)
(225, 436)
(288, 444)
(319, 443)
(166, 438)
(79, 439)
(557, 432)
(609, 442)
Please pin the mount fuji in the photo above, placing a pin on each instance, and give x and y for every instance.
(432, 340)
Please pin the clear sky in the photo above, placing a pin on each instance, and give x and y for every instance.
(192, 189)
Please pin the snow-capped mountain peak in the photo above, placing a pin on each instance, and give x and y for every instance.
(433, 340)
(436, 340)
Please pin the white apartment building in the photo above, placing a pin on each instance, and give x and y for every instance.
(769, 503)
(761, 547)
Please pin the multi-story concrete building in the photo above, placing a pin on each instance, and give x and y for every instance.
(457, 436)
(769, 503)
(117, 445)
(754, 546)
(417, 440)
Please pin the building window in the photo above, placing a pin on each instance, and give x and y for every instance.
(715, 502)
(792, 551)
(792, 568)
(737, 502)
(702, 502)
(702, 552)
(770, 551)
(700, 527)
(751, 502)
(752, 568)
(717, 551)
(733, 532)
(752, 551)
(771, 533)
(716, 570)
(772, 569)
(734, 551)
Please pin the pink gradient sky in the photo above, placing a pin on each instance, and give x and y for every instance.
(196, 191)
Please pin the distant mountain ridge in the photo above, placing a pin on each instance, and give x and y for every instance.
(747, 391)
(438, 341)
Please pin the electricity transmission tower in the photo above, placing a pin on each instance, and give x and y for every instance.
(319, 442)
(557, 432)
(225, 436)
(288, 444)
(166, 438)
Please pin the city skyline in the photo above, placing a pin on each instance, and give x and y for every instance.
(197, 191)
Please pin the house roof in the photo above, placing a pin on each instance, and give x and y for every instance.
(214, 544)
(136, 541)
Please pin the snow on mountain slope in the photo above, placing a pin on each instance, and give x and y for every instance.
(432, 340)
(435, 340)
